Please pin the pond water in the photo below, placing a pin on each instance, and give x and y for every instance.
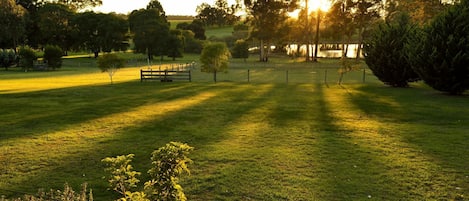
(325, 50)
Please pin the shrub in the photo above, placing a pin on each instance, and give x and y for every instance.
(240, 49)
(53, 56)
(7, 58)
(440, 53)
(68, 194)
(168, 164)
(27, 57)
(384, 53)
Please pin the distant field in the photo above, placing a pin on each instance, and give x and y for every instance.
(267, 139)
(219, 31)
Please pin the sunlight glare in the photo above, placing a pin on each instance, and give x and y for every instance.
(322, 5)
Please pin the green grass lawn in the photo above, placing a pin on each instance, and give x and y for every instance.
(261, 140)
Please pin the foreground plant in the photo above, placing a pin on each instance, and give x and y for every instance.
(168, 164)
(68, 194)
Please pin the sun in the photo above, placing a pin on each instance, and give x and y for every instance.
(322, 5)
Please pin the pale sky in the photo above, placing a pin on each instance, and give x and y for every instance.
(171, 7)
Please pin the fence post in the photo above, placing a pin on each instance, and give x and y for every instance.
(325, 76)
(249, 76)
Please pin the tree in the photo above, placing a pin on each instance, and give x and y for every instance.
(196, 26)
(384, 53)
(175, 44)
(220, 14)
(72, 4)
(110, 63)
(53, 56)
(366, 13)
(100, 32)
(54, 24)
(214, 58)
(150, 30)
(12, 24)
(267, 18)
(339, 20)
(241, 49)
(440, 53)
(421, 11)
(192, 44)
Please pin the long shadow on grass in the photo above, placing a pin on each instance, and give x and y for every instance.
(346, 171)
(198, 125)
(37, 113)
(83, 105)
(434, 124)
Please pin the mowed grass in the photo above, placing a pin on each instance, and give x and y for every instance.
(260, 140)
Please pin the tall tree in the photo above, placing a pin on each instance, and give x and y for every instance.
(175, 44)
(100, 32)
(54, 25)
(220, 14)
(12, 24)
(150, 30)
(72, 4)
(267, 17)
(339, 22)
(366, 12)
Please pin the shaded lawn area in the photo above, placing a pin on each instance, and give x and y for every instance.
(252, 141)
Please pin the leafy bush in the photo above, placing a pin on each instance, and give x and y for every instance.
(27, 57)
(240, 49)
(68, 194)
(7, 58)
(53, 56)
(168, 164)
(440, 53)
(384, 52)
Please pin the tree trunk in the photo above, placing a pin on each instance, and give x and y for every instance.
(215, 76)
(261, 50)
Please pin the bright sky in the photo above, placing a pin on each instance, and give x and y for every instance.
(171, 7)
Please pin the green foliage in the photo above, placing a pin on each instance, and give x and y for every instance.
(7, 58)
(27, 57)
(168, 164)
(240, 49)
(195, 26)
(384, 53)
(175, 44)
(53, 56)
(100, 32)
(151, 31)
(110, 63)
(68, 194)
(440, 53)
(12, 23)
(54, 25)
(122, 178)
(215, 58)
(192, 44)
